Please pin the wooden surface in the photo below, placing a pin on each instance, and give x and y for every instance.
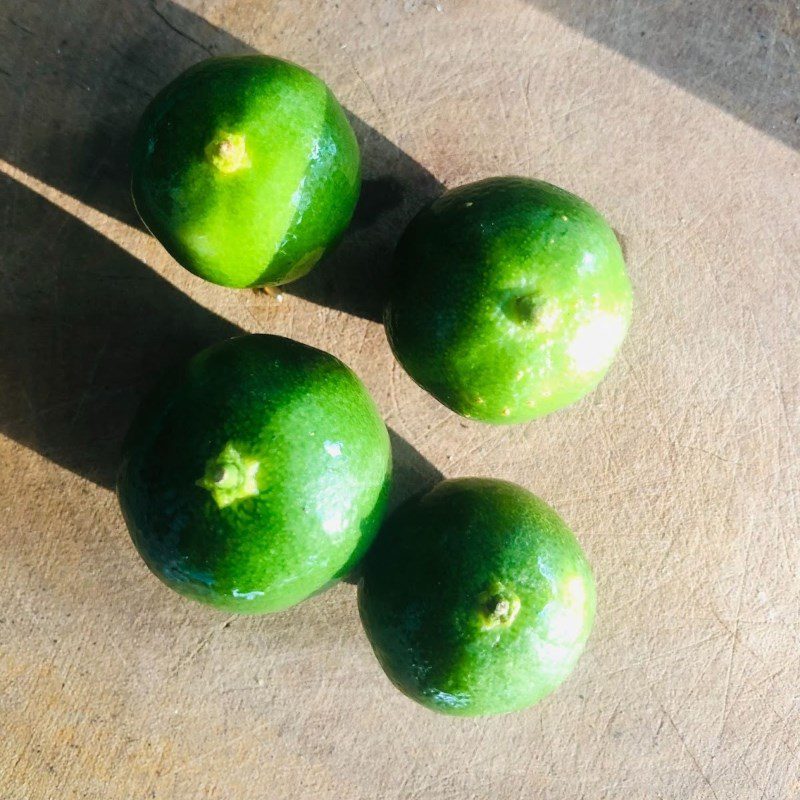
(680, 473)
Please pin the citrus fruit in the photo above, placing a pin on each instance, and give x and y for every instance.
(476, 598)
(246, 169)
(256, 475)
(509, 299)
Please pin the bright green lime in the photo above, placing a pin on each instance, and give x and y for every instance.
(256, 475)
(246, 169)
(477, 598)
(509, 299)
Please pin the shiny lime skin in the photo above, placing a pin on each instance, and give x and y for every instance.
(509, 299)
(477, 598)
(256, 475)
(246, 169)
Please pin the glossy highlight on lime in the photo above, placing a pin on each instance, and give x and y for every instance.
(509, 299)
(256, 475)
(246, 169)
(477, 598)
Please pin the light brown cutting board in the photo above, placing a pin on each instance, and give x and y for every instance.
(680, 121)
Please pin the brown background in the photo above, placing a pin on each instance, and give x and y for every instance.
(680, 120)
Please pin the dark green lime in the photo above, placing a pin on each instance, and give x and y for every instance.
(509, 299)
(477, 598)
(256, 475)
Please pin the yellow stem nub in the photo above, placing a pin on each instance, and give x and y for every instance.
(230, 476)
(228, 152)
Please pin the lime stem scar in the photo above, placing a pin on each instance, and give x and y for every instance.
(227, 152)
(498, 607)
(226, 477)
(230, 476)
(526, 307)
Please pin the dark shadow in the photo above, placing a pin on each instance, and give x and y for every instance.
(741, 56)
(412, 473)
(74, 79)
(353, 276)
(86, 330)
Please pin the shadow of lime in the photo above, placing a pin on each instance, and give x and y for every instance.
(73, 101)
(87, 329)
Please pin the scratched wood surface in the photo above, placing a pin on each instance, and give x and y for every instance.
(679, 474)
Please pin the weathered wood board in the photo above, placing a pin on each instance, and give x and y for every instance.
(680, 474)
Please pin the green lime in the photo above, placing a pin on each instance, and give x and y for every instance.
(509, 299)
(256, 475)
(477, 598)
(246, 169)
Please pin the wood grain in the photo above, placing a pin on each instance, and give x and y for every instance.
(680, 473)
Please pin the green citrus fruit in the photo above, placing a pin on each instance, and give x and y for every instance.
(256, 475)
(477, 598)
(509, 299)
(246, 169)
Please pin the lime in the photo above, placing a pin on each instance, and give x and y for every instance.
(256, 475)
(509, 299)
(246, 169)
(477, 598)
